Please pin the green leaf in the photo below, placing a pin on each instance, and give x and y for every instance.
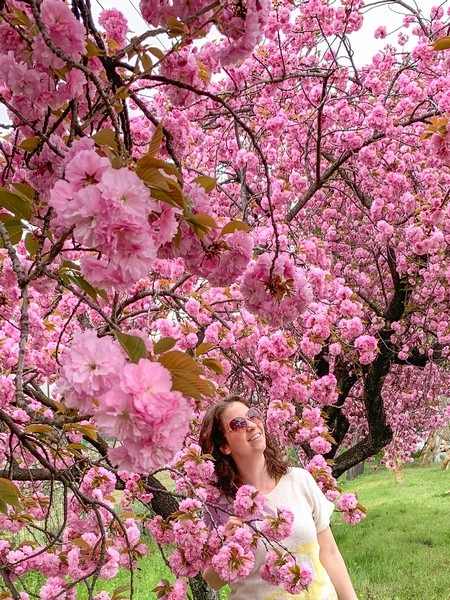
(153, 177)
(156, 141)
(156, 163)
(74, 451)
(25, 190)
(15, 204)
(39, 428)
(207, 183)
(15, 231)
(192, 385)
(233, 226)
(30, 144)
(176, 193)
(186, 374)
(176, 27)
(88, 431)
(159, 194)
(84, 285)
(3, 508)
(31, 244)
(214, 365)
(133, 345)
(442, 44)
(200, 223)
(20, 17)
(92, 50)
(203, 220)
(123, 92)
(161, 187)
(180, 361)
(105, 137)
(9, 492)
(81, 543)
(146, 62)
(203, 348)
(76, 446)
(157, 52)
(69, 264)
(164, 345)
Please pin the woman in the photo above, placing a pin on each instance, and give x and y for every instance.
(233, 433)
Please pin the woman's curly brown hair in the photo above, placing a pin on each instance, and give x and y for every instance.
(212, 438)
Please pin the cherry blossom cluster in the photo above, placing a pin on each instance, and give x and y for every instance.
(278, 527)
(197, 472)
(242, 25)
(275, 289)
(353, 511)
(349, 505)
(171, 591)
(249, 502)
(283, 422)
(132, 403)
(197, 546)
(83, 543)
(196, 543)
(109, 210)
(220, 256)
(281, 570)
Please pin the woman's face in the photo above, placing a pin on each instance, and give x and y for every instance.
(244, 430)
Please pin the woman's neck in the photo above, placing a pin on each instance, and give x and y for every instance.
(254, 472)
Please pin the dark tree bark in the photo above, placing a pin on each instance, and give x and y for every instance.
(201, 590)
(373, 377)
(353, 472)
(164, 504)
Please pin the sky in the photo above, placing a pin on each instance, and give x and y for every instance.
(363, 42)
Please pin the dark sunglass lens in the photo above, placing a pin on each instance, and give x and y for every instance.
(254, 413)
(237, 424)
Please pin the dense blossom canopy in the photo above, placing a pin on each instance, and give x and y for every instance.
(248, 210)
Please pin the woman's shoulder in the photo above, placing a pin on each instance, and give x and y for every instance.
(298, 473)
(298, 476)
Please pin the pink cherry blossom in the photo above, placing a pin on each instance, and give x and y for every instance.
(114, 24)
(249, 502)
(279, 527)
(232, 562)
(274, 289)
(90, 367)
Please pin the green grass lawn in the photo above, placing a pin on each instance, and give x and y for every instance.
(401, 551)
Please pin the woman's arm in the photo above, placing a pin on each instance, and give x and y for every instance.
(212, 578)
(334, 564)
(210, 575)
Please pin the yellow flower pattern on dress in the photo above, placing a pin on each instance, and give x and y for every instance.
(320, 589)
(297, 491)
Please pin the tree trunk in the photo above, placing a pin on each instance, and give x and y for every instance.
(426, 456)
(398, 473)
(379, 431)
(201, 590)
(164, 504)
(354, 471)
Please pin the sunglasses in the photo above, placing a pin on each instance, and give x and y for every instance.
(239, 424)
